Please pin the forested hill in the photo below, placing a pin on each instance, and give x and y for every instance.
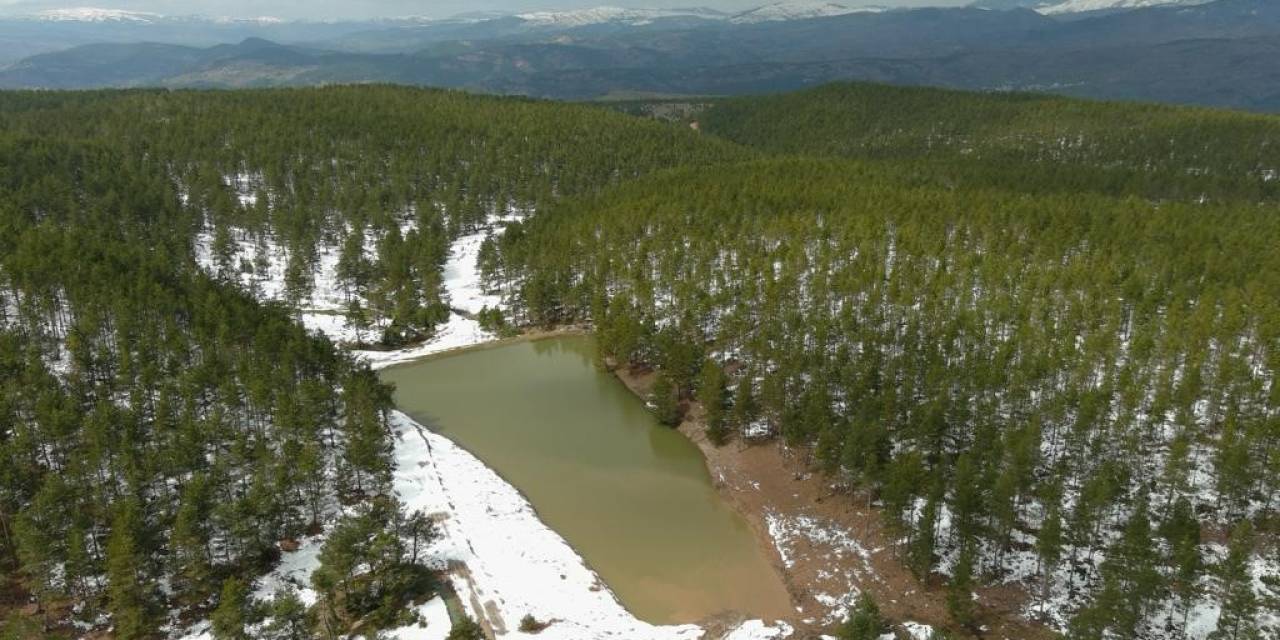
(1041, 333)
(378, 177)
(164, 433)
(1025, 141)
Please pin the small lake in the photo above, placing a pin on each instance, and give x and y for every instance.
(633, 497)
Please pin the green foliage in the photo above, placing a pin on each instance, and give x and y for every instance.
(1238, 619)
(368, 570)
(232, 614)
(289, 619)
(466, 629)
(711, 395)
(665, 400)
(493, 321)
(1026, 142)
(960, 591)
(1039, 315)
(973, 345)
(129, 601)
(865, 622)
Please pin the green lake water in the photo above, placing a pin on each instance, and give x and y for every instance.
(633, 497)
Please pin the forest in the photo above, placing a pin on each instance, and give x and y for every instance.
(163, 433)
(1037, 333)
(1040, 333)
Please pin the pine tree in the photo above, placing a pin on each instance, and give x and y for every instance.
(288, 617)
(865, 622)
(959, 590)
(744, 409)
(127, 598)
(663, 398)
(466, 629)
(1049, 542)
(230, 617)
(711, 395)
(1238, 620)
(1182, 532)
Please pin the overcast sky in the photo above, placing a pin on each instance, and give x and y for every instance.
(333, 9)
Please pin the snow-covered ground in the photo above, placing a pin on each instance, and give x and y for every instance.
(799, 10)
(466, 294)
(435, 623)
(1082, 6)
(505, 563)
(788, 532)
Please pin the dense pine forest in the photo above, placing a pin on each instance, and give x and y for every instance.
(1024, 142)
(382, 176)
(163, 434)
(1040, 335)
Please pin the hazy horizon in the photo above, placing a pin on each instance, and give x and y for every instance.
(372, 9)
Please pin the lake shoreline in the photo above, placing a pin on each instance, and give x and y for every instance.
(821, 538)
(738, 622)
(815, 527)
(378, 359)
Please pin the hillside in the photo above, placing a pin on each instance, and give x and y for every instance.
(1024, 142)
(1037, 332)
(1033, 338)
(172, 416)
(1214, 53)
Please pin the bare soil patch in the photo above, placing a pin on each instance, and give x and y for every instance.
(770, 480)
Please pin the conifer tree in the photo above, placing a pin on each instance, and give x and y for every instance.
(230, 617)
(663, 397)
(744, 410)
(288, 617)
(865, 622)
(1238, 619)
(711, 395)
(959, 590)
(128, 599)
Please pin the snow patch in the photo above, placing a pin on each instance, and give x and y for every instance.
(435, 624)
(607, 15)
(798, 10)
(505, 563)
(94, 14)
(1081, 6)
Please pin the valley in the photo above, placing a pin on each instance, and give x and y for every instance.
(1175, 51)
(920, 362)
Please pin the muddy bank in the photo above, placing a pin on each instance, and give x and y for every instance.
(827, 542)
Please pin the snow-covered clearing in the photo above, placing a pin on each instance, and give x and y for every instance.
(435, 623)
(790, 532)
(466, 295)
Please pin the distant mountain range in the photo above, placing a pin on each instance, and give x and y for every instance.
(1189, 51)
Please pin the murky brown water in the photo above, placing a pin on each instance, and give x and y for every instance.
(633, 497)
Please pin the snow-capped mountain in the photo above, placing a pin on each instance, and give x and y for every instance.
(1081, 6)
(798, 10)
(93, 14)
(614, 15)
(779, 11)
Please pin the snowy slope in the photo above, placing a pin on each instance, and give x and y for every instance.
(93, 14)
(798, 10)
(610, 15)
(1080, 6)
